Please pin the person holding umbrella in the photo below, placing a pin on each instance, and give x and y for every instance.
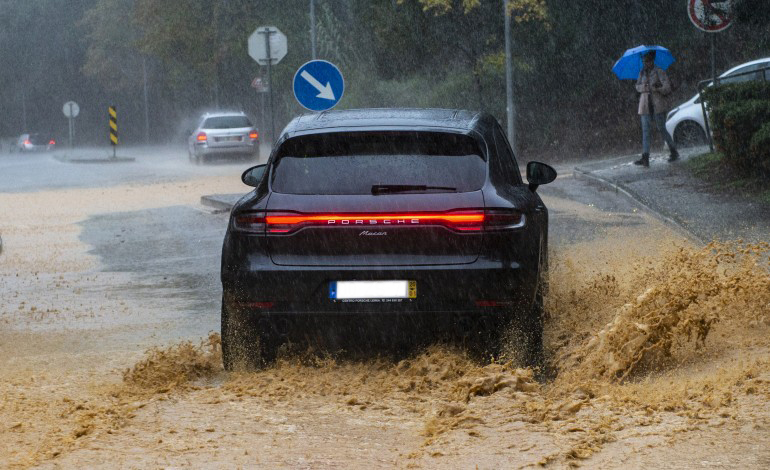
(647, 65)
(653, 86)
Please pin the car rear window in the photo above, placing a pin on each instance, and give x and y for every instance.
(226, 122)
(353, 162)
(37, 139)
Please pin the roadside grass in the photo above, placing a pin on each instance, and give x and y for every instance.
(711, 168)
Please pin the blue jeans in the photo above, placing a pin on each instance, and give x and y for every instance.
(660, 121)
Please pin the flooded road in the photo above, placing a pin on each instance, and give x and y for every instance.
(109, 349)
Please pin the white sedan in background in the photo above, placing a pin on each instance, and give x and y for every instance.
(223, 134)
(34, 143)
(686, 123)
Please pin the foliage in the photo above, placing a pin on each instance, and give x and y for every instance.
(728, 93)
(522, 10)
(740, 118)
(759, 147)
(112, 56)
(438, 53)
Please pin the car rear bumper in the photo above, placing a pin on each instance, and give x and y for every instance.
(393, 328)
(37, 148)
(479, 286)
(242, 149)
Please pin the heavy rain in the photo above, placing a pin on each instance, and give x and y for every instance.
(125, 224)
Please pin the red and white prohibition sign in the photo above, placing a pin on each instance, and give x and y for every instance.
(711, 16)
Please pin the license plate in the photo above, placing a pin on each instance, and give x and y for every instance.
(230, 138)
(372, 290)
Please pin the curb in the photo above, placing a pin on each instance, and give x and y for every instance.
(220, 202)
(669, 219)
(65, 159)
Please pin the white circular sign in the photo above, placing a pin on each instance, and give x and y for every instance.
(71, 109)
(711, 16)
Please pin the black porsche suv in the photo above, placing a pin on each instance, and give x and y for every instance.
(385, 225)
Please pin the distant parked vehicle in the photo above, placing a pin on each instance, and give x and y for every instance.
(34, 143)
(223, 134)
(686, 122)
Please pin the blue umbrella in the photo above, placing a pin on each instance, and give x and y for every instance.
(629, 66)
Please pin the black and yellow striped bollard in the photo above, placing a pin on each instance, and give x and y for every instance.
(113, 129)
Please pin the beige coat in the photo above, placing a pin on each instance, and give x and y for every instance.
(645, 85)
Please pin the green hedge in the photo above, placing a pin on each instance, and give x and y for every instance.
(760, 147)
(739, 116)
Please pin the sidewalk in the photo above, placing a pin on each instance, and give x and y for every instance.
(670, 192)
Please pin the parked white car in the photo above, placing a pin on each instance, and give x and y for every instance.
(686, 123)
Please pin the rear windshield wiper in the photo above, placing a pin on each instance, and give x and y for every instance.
(402, 188)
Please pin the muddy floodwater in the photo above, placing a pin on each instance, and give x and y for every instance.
(658, 357)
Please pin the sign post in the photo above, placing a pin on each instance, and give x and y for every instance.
(711, 16)
(267, 46)
(260, 85)
(71, 111)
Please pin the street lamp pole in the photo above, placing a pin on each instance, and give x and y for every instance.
(146, 104)
(312, 29)
(510, 114)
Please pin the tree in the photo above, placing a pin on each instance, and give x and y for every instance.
(112, 56)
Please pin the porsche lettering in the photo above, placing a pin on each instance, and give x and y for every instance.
(373, 222)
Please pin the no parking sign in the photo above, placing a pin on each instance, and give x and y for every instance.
(711, 16)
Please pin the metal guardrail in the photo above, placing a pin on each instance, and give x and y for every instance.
(764, 75)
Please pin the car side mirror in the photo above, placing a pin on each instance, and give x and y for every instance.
(253, 175)
(539, 173)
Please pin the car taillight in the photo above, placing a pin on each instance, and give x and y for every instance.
(253, 222)
(51, 142)
(27, 142)
(465, 221)
(502, 219)
(253, 135)
(201, 137)
(282, 223)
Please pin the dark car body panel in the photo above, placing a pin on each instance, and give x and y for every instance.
(455, 272)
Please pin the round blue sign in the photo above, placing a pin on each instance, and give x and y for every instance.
(318, 85)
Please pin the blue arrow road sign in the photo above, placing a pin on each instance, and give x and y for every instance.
(318, 85)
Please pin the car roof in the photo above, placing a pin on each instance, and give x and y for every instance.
(386, 117)
(758, 61)
(224, 114)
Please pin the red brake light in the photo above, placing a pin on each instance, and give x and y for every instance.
(279, 223)
(253, 135)
(461, 221)
(51, 142)
(27, 142)
(201, 137)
